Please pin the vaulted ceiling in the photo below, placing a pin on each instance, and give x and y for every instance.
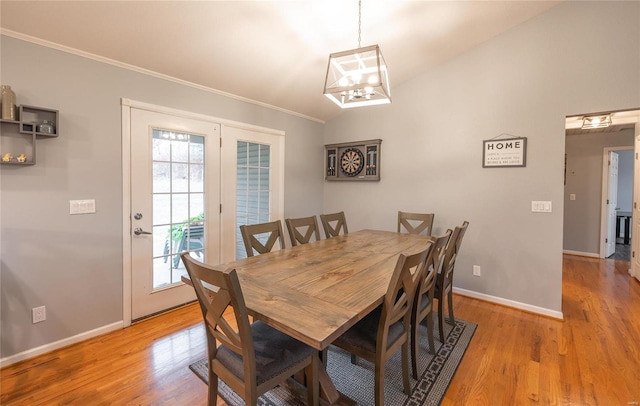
(270, 52)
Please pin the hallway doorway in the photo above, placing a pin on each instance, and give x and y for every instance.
(594, 223)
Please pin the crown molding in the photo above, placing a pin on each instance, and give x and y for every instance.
(113, 62)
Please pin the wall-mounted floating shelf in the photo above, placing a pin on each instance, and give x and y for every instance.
(358, 160)
(19, 136)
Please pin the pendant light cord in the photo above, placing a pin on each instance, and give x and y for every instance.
(359, 21)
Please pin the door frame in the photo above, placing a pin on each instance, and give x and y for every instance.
(604, 215)
(126, 106)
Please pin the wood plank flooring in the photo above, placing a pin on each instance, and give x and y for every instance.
(515, 358)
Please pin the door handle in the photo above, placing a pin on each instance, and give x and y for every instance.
(138, 231)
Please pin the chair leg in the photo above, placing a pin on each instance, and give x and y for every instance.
(379, 383)
(213, 388)
(441, 319)
(414, 347)
(452, 321)
(405, 367)
(432, 344)
(353, 359)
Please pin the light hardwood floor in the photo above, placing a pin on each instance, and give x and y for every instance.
(515, 358)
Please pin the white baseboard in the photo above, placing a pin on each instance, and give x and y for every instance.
(60, 343)
(510, 303)
(581, 254)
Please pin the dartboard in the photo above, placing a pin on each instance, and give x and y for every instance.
(352, 161)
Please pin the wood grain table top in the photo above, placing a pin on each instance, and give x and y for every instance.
(315, 292)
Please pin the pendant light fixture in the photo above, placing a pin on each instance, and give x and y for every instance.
(357, 77)
(600, 121)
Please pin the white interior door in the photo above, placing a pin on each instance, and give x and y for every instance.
(175, 200)
(635, 241)
(612, 204)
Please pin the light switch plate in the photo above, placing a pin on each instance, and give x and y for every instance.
(82, 206)
(541, 206)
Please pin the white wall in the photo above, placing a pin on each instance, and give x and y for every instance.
(523, 82)
(584, 179)
(73, 264)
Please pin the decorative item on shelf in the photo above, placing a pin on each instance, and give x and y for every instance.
(358, 160)
(8, 103)
(7, 157)
(22, 158)
(46, 127)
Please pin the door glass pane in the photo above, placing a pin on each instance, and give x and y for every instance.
(180, 148)
(180, 177)
(161, 177)
(196, 178)
(178, 203)
(252, 188)
(161, 207)
(196, 150)
(179, 208)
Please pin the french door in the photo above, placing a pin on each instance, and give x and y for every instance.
(253, 191)
(175, 205)
(189, 182)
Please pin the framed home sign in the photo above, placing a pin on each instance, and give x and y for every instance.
(504, 153)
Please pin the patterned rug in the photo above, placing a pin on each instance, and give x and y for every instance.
(356, 381)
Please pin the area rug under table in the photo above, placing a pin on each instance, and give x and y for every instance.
(356, 381)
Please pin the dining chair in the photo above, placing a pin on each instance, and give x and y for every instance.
(252, 358)
(423, 299)
(306, 225)
(254, 235)
(333, 224)
(379, 335)
(444, 283)
(415, 223)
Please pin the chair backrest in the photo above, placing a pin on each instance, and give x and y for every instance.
(434, 264)
(398, 300)
(415, 223)
(450, 255)
(217, 289)
(251, 235)
(297, 227)
(333, 223)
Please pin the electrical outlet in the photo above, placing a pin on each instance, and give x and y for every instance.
(39, 314)
(476, 270)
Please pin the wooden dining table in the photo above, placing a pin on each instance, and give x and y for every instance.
(315, 292)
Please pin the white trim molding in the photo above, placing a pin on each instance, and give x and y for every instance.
(581, 254)
(113, 62)
(196, 116)
(126, 213)
(510, 303)
(34, 352)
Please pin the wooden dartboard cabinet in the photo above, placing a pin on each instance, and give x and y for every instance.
(359, 160)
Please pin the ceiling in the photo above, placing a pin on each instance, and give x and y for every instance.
(271, 52)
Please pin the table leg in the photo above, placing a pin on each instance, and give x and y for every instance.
(329, 395)
(328, 390)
